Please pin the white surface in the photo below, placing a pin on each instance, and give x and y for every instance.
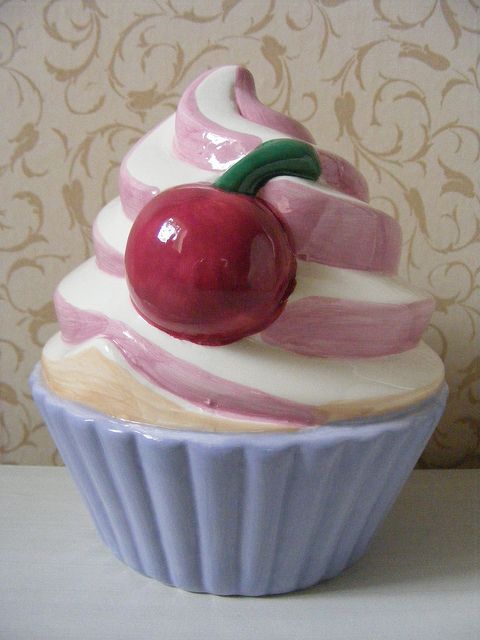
(420, 579)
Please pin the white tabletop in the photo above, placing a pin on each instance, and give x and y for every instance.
(420, 579)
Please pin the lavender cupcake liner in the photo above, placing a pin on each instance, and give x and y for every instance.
(237, 514)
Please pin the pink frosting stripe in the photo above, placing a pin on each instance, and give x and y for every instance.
(178, 377)
(252, 109)
(107, 258)
(323, 227)
(329, 327)
(75, 325)
(336, 172)
(335, 232)
(208, 145)
(341, 175)
(204, 143)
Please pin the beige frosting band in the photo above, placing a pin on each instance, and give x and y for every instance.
(81, 378)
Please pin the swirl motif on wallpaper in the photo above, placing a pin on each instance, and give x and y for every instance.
(397, 98)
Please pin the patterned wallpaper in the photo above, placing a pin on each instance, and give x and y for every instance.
(391, 85)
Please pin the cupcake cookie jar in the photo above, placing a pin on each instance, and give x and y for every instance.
(239, 387)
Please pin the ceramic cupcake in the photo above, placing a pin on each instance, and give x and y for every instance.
(239, 387)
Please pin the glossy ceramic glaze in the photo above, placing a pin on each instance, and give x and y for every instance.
(207, 265)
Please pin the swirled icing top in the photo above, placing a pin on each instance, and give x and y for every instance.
(348, 342)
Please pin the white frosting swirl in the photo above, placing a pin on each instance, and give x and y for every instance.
(347, 344)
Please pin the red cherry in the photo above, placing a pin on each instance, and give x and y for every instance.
(207, 265)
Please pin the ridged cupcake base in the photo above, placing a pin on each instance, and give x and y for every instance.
(248, 514)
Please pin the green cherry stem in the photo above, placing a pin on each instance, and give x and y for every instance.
(280, 157)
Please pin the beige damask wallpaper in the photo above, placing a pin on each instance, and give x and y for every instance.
(392, 85)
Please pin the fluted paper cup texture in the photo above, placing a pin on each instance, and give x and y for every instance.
(237, 514)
